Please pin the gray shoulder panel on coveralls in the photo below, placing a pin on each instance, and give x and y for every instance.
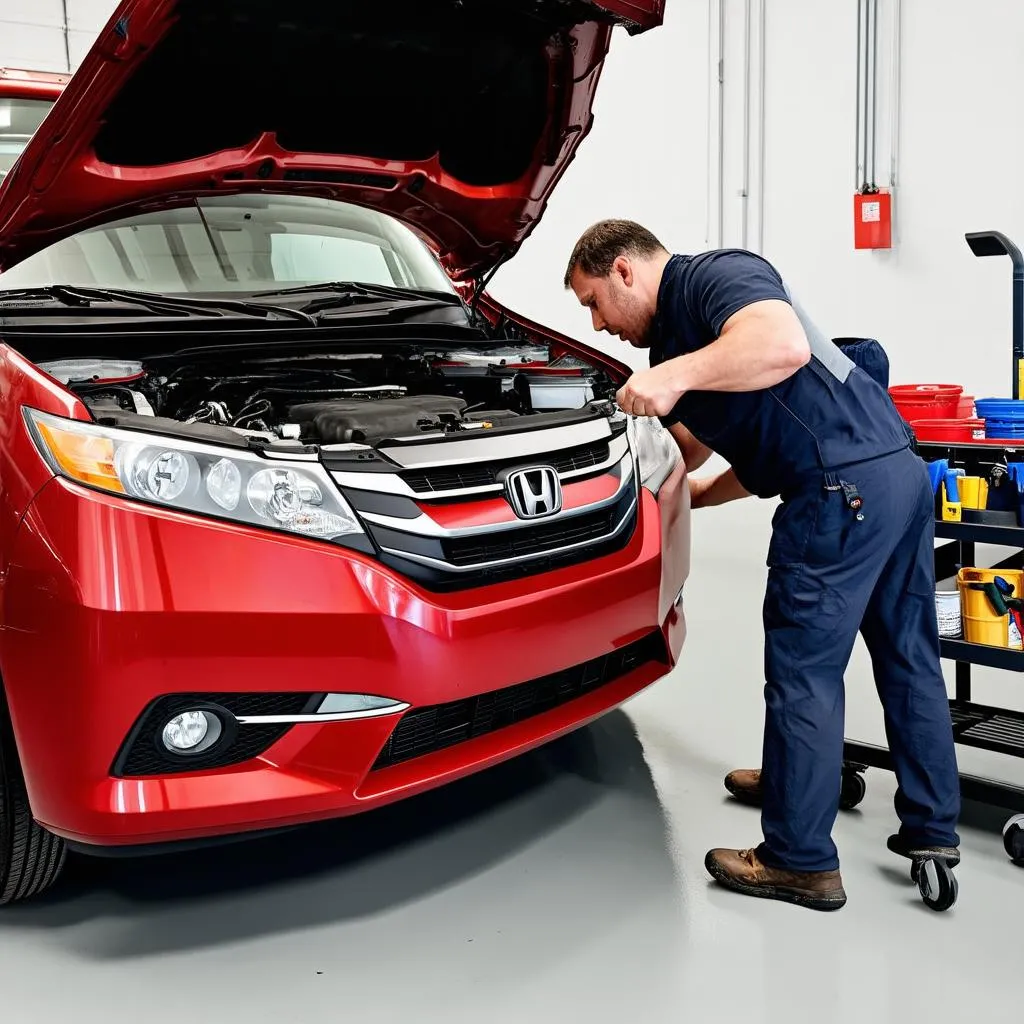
(830, 356)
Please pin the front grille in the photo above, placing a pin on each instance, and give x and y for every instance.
(430, 729)
(535, 552)
(143, 752)
(485, 474)
(521, 543)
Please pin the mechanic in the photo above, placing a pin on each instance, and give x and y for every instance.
(738, 370)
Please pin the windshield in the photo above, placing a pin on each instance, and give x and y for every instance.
(242, 243)
(19, 119)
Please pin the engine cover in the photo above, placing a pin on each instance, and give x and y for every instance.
(372, 420)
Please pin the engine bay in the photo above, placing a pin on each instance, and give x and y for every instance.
(337, 398)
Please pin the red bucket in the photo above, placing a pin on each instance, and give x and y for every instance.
(954, 431)
(927, 401)
(966, 409)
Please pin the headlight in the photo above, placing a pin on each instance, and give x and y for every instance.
(657, 451)
(188, 476)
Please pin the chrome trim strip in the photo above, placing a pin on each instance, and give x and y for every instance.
(424, 526)
(437, 563)
(392, 483)
(338, 716)
(525, 444)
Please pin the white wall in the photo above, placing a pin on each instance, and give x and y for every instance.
(941, 313)
(49, 35)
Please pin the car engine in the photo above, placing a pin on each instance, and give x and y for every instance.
(336, 398)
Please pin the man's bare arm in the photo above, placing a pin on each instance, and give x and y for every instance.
(716, 490)
(760, 346)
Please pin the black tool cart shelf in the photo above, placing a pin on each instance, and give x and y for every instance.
(974, 725)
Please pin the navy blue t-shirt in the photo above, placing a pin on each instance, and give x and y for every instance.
(829, 414)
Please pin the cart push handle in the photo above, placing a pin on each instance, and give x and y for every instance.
(995, 243)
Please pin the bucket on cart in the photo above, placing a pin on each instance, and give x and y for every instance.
(954, 431)
(1004, 417)
(927, 401)
(981, 624)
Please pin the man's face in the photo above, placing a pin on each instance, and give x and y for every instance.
(615, 303)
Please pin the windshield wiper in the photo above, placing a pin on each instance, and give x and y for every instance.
(346, 293)
(163, 305)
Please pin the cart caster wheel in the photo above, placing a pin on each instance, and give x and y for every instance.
(1013, 838)
(852, 791)
(937, 883)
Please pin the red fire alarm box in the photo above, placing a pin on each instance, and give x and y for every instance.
(872, 220)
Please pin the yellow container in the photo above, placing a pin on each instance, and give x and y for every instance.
(981, 624)
(973, 491)
(994, 632)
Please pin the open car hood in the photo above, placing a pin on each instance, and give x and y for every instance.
(457, 116)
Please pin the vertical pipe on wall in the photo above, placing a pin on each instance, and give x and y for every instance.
(895, 96)
(67, 34)
(745, 187)
(873, 7)
(859, 171)
(762, 54)
(721, 123)
(707, 149)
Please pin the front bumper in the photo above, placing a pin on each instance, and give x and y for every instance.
(108, 606)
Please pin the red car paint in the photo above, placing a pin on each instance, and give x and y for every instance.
(108, 604)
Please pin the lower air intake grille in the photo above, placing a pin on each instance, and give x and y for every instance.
(519, 543)
(143, 752)
(427, 730)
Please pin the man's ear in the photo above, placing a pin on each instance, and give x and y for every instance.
(622, 268)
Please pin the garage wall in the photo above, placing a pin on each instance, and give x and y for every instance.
(653, 154)
(49, 35)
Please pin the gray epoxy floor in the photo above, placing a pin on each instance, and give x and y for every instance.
(567, 886)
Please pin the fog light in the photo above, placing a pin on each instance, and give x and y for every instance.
(191, 732)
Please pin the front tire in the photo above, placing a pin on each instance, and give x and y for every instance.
(31, 859)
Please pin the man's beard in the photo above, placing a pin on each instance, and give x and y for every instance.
(643, 334)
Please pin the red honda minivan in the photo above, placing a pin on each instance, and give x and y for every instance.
(295, 519)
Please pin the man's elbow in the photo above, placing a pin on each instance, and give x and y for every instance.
(794, 353)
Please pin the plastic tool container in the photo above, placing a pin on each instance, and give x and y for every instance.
(960, 430)
(981, 624)
(927, 401)
(1004, 417)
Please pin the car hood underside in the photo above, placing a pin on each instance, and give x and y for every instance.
(458, 116)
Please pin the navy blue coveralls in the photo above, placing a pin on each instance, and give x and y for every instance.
(822, 439)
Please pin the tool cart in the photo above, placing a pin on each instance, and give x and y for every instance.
(974, 724)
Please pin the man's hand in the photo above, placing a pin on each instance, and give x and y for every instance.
(652, 392)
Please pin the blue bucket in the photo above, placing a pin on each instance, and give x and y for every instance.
(1004, 417)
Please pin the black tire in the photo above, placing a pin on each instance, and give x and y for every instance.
(1013, 839)
(853, 790)
(937, 884)
(31, 859)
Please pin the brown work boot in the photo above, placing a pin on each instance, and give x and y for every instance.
(745, 785)
(743, 872)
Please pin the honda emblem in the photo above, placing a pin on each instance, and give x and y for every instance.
(534, 492)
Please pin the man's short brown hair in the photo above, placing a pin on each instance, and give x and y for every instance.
(603, 243)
